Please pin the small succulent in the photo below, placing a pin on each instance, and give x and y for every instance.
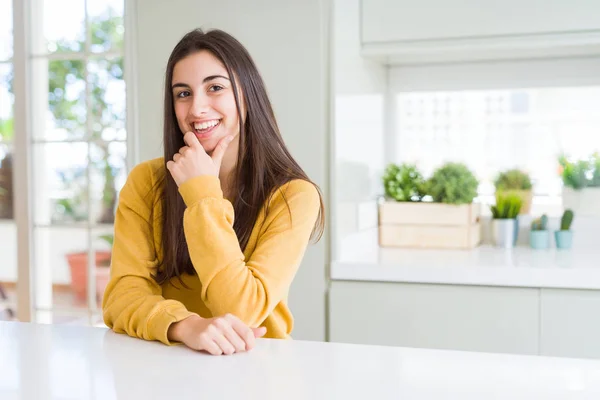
(508, 206)
(540, 224)
(566, 220)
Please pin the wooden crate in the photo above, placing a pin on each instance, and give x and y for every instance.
(429, 225)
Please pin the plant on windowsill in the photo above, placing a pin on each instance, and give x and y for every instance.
(581, 184)
(539, 237)
(564, 236)
(450, 221)
(518, 182)
(78, 266)
(504, 222)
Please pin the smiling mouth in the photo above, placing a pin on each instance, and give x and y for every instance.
(203, 129)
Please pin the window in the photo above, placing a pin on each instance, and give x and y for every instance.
(483, 116)
(77, 149)
(8, 235)
(78, 153)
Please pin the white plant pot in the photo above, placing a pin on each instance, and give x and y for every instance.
(503, 232)
(585, 202)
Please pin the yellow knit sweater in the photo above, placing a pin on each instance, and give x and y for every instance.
(253, 285)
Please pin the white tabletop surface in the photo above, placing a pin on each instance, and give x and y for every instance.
(73, 362)
(360, 258)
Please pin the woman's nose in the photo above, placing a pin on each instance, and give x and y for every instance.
(200, 105)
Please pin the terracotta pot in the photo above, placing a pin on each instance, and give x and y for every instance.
(78, 266)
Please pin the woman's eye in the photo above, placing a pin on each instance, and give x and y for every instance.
(215, 88)
(183, 94)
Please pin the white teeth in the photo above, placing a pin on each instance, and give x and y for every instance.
(206, 125)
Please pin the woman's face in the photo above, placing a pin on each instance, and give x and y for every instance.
(203, 99)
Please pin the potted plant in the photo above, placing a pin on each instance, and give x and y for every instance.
(504, 222)
(78, 262)
(403, 182)
(581, 184)
(452, 183)
(539, 237)
(451, 220)
(518, 182)
(564, 236)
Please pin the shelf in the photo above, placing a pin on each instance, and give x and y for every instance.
(360, 259)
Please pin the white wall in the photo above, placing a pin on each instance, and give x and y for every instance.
(288, 40)
(360, 99)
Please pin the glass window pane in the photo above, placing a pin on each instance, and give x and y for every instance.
(6, 30)
(105, 77)
(61, 265)
(8, 267)
(106, 24)
(7, 100)
(61, 256)
(64, 34)
(495, 130)
(60, 183)
(102, 241)
(107, 174)
(59, 95)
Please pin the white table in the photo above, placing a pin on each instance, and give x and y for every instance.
(73, 362)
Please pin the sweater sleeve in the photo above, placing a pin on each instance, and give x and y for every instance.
(249, 289)
(133, 301)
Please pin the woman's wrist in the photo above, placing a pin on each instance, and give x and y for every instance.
(177, 330)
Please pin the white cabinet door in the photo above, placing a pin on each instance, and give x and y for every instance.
(409, 20)
(490, 319)
(570, 323)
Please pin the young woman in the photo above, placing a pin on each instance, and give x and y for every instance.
(209, 238)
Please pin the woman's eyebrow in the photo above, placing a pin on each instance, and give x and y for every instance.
(207, 79)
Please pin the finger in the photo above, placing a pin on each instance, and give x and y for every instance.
(234, 338)
(223, 343)
(176, 157)
(243, 330)
(259, 332)
(191, 140)
(210, 346)
(170, 165)
(219, 152)
(183, 150)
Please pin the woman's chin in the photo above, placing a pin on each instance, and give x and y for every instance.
(209, 146)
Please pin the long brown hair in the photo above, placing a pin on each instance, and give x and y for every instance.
(263, 163)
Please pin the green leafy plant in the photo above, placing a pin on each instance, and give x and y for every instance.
(403, 182)
(108, 238)
(513, 179)
(452, 183)
(579, 174)
(540, 224)
(6, 129)
(508, 206)
(566, 220)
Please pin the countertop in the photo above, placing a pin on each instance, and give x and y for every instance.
(75, 362)
(359, 258)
